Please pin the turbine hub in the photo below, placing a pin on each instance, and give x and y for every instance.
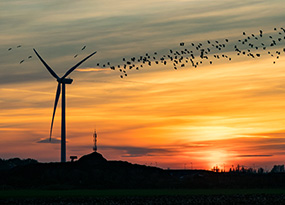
(65, 80)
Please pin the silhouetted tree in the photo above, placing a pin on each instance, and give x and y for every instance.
(260, 170)
(277, 169)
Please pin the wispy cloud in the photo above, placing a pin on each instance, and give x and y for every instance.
(129, 151)
(252, 155)
(91, 69)
(48, 140)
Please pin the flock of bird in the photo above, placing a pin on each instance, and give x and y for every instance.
(177, 58)
(17, 47)
(83, 48)
(30, 56)
(196, 54)
(254, 45)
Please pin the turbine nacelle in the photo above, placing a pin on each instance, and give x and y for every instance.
(65, 80)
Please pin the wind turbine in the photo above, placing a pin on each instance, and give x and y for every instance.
(61, 84)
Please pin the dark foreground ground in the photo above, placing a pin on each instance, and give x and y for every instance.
(214, 199)
(93, 171)
(94, 180)
(242, 196)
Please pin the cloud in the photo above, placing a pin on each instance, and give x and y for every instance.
(278, 134)
(47, 140)
(139, 151)
(249, 147)
(130, 151)
(252, 155)
(90, 69)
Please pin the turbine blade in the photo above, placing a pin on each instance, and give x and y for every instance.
(78, 64)
(46, 65)
(54, 109)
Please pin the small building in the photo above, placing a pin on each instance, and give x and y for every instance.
(73, 158)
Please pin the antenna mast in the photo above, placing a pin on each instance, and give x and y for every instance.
(95, 141)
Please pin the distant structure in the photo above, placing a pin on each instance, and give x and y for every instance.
(73, 158)
(95, 141)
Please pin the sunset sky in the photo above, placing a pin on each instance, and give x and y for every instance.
(227, 113)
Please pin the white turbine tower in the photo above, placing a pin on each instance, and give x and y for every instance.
(61, 83)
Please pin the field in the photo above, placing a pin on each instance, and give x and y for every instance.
(144, 196)
(117, 182)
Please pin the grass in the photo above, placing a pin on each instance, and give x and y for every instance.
(4, 194)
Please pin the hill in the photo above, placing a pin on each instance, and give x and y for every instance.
(90, 171)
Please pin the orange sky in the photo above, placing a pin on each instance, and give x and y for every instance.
(213, 115)
(223, 114)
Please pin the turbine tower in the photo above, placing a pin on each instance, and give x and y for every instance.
(61, 85)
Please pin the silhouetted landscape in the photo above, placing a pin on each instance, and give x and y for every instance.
(93, 171)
